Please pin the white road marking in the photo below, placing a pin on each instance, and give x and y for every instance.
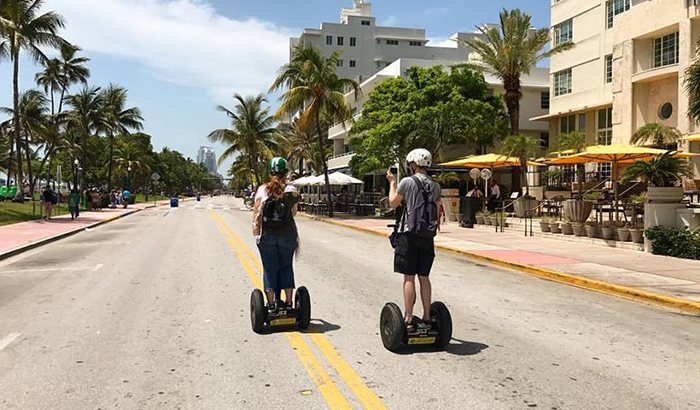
(97, 267)
(8, 339)
(74, 268)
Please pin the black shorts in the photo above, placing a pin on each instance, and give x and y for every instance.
(413, 255)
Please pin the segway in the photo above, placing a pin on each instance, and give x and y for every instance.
(280, 314)
(396, 336)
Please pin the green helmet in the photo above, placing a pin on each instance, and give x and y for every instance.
(278, 165)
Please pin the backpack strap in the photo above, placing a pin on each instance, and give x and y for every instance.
(420, 185)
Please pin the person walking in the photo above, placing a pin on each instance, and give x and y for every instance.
(48, 200)
(126, 195)
(73, 204)
(276, 233)
(419, 196)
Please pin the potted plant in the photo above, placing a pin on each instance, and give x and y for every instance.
(554, 226)
(608, 230)
(579, 228)
(522, 147)
(480, 218)
(566, 227)
(592, 229)
(661, 174)
(487, 218)
(623, 233)
(544, 225)
(498, 218)
(637, 235)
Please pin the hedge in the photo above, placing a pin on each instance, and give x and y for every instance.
(679, 243)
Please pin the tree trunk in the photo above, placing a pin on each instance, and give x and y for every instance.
(324, 164)
(11, 140)
(512, 99)
(255, 171)
(30, 173)
(109, 168)
(19, 177)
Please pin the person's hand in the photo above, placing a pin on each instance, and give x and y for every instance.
(391, 177)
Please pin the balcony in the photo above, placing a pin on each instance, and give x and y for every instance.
(340, 130)
(340, 161)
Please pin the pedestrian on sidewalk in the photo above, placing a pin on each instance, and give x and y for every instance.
(48, 200)
(73, 204)
(276, 233)
(419, 198)
(126, 195)
(113, 199)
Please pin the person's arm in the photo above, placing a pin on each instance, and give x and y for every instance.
(441, 212)
(395, 198)
(257, 217)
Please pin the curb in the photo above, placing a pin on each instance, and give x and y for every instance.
(50, 239)
(607, 288)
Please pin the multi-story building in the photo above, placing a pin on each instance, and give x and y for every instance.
(207, 156)
(372, 54)
(626, 69)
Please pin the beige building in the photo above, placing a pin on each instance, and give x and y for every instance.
(626, 67)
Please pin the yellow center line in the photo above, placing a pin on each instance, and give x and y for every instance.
(330, 392)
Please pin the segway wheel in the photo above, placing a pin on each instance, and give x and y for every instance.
(442, 316)
(392, 327)
(302, 303)
(257, 311)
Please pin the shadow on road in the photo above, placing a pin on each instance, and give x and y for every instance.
(321, 326)
(456, 347)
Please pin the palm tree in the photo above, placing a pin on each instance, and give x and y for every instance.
(575, 142)
(118, 120)
(60, 73)
(23, 27)
(508, 51)
(522, 147)
(692, 87)
(130, 158)
(656, 135)
(84, 119)
(50, 80)
(299, 146)
(252, 133)
(314, 89)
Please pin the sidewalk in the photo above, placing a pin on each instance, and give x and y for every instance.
(25, 235)
(627, 273)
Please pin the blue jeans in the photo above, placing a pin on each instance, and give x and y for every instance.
(277, 253)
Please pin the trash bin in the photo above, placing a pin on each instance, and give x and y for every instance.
(469, 206)
(174, 202)
(199, 198)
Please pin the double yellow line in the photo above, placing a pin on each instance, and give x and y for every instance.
(329, 390)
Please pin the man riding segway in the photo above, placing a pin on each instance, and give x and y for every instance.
(417, 225)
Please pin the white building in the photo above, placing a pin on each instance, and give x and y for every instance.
(372, 54)
(207, 156)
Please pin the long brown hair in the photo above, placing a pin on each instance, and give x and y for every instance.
(275, 188)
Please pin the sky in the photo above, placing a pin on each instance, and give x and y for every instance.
(180, 59)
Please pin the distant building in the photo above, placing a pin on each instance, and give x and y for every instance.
(207, 156)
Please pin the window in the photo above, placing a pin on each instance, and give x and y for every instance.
(581, 123)
(339, 63)
(666, 50)
(353, 41)
(665, 111)
(544, 140)
(562, 82)
(564, 32)
(393, 42)
(415, 43)
(613, 8)
(567, 124)
(366, 23)
(329, 40)
(605, 138)
(353, 63)
(341, 40)
(608, 69)
(544, 100)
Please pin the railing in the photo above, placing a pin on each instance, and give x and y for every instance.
(529, 212)
(345, 154)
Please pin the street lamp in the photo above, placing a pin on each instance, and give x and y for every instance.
(75, 174)
(128, 177)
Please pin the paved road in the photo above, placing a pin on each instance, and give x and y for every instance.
(152, 312)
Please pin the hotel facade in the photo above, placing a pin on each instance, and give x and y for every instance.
(626, 69)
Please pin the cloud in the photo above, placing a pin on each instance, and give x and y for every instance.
(184, 42)
(442, 42)
(390, 21)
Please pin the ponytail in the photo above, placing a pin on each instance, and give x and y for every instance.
(275, 188)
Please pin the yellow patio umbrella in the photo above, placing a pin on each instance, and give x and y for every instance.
(692, 138)
(487, 161)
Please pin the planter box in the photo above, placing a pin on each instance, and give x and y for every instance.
(608, 232)
(567, 229)
(637, 235)
(665, 195)
(487, 220)
(592, 231)
(479, 219)
(578, 228)
(544, 226)
(577, 210)
(523, 205)
(623, 234)
(554, 227)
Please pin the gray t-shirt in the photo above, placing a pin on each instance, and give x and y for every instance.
(411, 194)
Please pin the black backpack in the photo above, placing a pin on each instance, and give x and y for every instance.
(275, 213)
(425, 214)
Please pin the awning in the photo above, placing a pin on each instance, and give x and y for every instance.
(572, 111)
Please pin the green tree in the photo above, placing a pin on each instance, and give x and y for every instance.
(522, 147)
(508, 51)
(429, 108)
(300, 146)
(23, 27)
(314, 89)
(118, 120)
(656, 135)
(252, 133)
(691, 81)
(85, 119)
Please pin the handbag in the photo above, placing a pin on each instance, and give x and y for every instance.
(394, 237)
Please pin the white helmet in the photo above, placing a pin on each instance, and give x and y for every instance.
(421, 157)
